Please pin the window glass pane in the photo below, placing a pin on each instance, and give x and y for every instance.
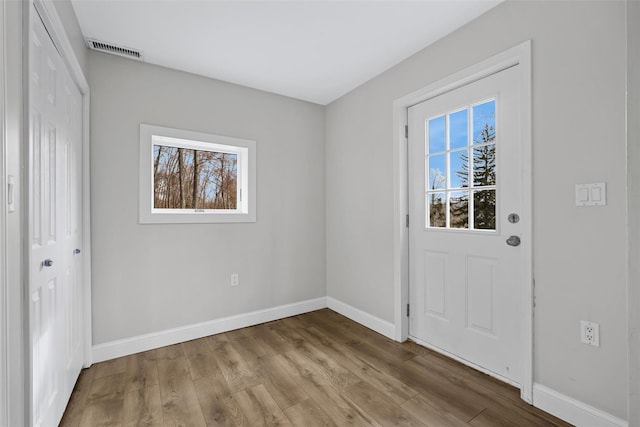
(484, 165)
(436, 135)
(437, 172)
(484, 210)
(459, 169)
(194, 179)
(459, 129)
(436, 208)
(459, 209)
(484, 122)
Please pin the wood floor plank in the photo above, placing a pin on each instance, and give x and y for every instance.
(73, 413)
(266, 334)
(202, 365)
(252, 351)
(143, 407)
(103, 412)
(308, 414)
(296, 322)
(317, 368)
(110, 367)
(392, 387)
(259, 408)
(280, 385)
(262, 335)
(142, 371)
(236, 371)
(170, 352)
(198, 346)
(338, 376)
(105, 400)
(340, 333)
(333, 368)
(342, 411)
(219, 407)
(436, 388)
(501, 398)
(376, 403)
(111, 387)
(432, 414)
(491, 418)
(180, 405)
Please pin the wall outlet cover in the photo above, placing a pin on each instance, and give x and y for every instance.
(590, 333)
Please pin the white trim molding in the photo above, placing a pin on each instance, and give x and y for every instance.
(520, 56)
(382, 327)
(4, 303)
(571, 410)
(127, 346)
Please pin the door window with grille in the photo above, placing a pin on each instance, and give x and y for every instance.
(461, 168)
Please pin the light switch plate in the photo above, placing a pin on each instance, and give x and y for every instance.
(591, 194)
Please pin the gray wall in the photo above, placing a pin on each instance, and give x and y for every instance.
(149, 278)
(578, 136)
(633, 171)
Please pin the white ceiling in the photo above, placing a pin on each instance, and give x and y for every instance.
(311, 50)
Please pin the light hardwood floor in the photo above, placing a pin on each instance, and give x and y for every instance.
(316, 369)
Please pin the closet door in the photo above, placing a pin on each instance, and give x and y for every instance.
(55, 229)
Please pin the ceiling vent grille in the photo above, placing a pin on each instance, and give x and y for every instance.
(127, 52)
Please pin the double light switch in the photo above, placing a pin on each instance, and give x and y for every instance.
(591, 194)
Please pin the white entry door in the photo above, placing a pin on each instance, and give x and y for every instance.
(55, 229)
(465, 201)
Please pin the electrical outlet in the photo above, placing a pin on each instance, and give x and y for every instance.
(590, 333)
(234, 279)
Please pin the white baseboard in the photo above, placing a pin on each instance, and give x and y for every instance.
(571, 410)
(127, 346)
(380, 326)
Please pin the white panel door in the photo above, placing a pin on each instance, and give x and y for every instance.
(55, 229)
(464, 182)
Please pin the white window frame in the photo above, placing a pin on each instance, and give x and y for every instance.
(151, 135)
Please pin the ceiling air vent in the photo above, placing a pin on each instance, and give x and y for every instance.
(127, 52)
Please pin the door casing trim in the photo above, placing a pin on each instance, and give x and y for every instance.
(518, 55)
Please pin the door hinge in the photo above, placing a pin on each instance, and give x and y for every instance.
(407, 221)
(408, 310)
(406, 131)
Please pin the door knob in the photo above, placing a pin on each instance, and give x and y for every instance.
(76, 251)
(513, 241)
(47, 262)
